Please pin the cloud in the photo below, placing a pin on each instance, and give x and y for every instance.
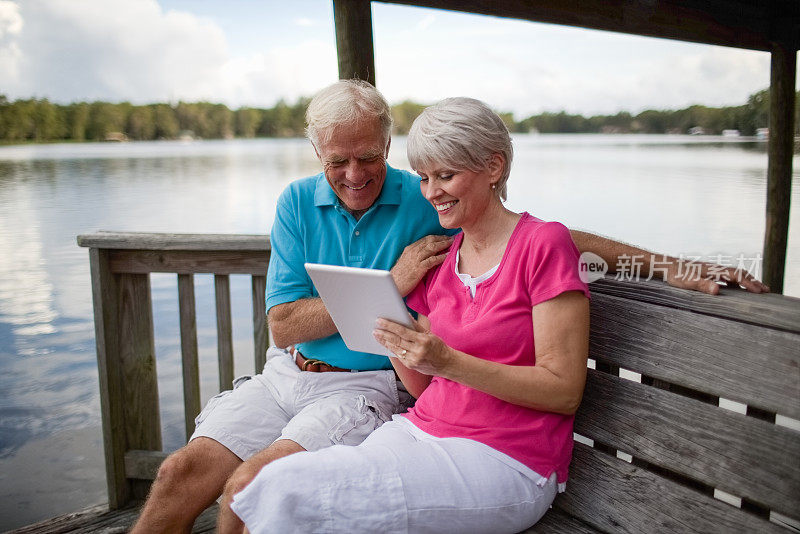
(425, 23)
(287, 72)
(579, 71)
(136, 51)
(121, 50)
(10, 27)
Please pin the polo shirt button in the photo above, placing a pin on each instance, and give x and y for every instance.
(358, 233)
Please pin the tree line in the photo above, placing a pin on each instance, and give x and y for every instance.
(39, 120)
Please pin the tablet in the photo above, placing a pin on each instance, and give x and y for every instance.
(356, 298)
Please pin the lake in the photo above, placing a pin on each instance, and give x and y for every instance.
(690, 195)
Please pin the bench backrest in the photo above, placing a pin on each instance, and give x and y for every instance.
(689, 421)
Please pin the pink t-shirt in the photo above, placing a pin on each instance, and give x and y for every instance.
(540, 262)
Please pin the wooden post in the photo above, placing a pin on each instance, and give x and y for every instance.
(222, 290)
(260, 331)
(190, 365)
(353, 21)
(106, 306)
(137, 369)
(779, 173)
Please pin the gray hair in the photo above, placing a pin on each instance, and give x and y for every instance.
(346, 102)
(461, 133)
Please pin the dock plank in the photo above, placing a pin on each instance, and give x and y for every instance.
(99, 519)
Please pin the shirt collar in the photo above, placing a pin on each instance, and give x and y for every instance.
(390, 193)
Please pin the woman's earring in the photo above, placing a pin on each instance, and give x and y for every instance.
(494, 186)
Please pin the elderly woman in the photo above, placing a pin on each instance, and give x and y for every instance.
(497, 360)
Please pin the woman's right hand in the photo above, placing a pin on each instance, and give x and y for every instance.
(416, 348)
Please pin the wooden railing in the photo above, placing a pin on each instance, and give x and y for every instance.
(121, 264)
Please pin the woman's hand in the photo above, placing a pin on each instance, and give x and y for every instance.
(416, 348)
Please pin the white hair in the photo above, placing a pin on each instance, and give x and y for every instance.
(345, 103)
(461, 133)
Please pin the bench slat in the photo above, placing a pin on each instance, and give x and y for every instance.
(555, 521)
(770, 310)
(741, 455)
(615, 496)
(746, 363)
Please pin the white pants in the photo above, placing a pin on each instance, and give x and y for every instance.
(399, 480)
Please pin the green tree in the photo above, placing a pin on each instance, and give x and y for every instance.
(220, 120)
(165, 121)
(247, 121)
(652, 121)
(77, 121)
(403, 115)
(105, 118)
(141, 124)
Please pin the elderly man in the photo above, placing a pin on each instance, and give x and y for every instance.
(313, 391)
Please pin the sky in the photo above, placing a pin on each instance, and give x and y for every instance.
(255, 52)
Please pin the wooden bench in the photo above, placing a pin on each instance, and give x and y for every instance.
(689, 421)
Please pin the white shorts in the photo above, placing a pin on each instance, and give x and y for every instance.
(399, 480)
(315, 410)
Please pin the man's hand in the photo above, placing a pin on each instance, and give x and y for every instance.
(417, 259)
(703, 277)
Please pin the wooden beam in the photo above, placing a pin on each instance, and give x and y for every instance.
(189, 360)
(353, 21)
(188, 261)
(162, 241)
(222, 291)
(105, 296)
(738, 23)
(137, 363)
(260, 329)
(779, 172)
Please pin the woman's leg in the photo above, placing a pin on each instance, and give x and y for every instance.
(398, 480)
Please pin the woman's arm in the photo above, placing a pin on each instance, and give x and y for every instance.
(554, 384)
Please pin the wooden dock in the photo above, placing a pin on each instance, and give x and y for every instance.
(100, 520)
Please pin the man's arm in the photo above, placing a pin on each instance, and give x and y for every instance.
(299, 321)
(307, 318)
(667, 268)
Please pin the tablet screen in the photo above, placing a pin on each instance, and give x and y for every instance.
(356, 298)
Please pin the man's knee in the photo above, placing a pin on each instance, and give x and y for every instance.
(177, 468)
(199, 459)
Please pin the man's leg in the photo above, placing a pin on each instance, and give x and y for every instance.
(187, 483)
(228, 522)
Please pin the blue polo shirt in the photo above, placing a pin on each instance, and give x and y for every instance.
(312, 226)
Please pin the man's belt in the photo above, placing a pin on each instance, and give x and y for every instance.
(315, 366)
